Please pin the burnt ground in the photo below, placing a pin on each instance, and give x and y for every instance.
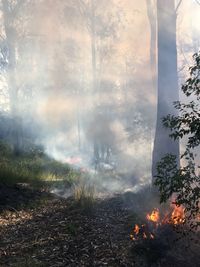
(39, 229)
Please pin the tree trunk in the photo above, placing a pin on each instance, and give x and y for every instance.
(167, 79)
(94, 78)
(151, 12)
(11, 39)
(93, 45)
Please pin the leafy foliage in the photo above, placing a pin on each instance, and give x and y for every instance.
(184, 181)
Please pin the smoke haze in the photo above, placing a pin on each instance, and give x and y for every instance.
(84, 81)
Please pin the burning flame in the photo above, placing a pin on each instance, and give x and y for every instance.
(178, 215)
(154, 220)
(154, 216)
(137, 229)
(141, 232)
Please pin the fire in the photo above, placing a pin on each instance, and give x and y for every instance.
(137, 229)
(141, 232)
(154, 220)
(154, 216)
(178, 215)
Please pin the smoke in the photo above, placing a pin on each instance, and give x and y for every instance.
(78, 123)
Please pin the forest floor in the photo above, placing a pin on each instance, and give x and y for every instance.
(40, 229)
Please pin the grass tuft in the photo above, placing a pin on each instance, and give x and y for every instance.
(84, 195)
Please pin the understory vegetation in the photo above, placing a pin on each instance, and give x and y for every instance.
(33, 167)
(37, 170)
(184, 181)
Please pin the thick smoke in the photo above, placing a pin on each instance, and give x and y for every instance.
(91, 118)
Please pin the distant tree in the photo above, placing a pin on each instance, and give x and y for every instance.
(102, 28)
(11, 11)
(184, 181)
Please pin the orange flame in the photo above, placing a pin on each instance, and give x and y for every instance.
(154, 216)
(175, 217)
(142, 231)
(136, 229)
(178, 215)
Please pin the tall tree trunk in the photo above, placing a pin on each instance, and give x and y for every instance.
(93, 45)
(167, 79)
(94, 78)
(151, 13)
(11, 39)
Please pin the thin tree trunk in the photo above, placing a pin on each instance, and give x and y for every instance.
(94, 78)
(11, 37)
(93, 45)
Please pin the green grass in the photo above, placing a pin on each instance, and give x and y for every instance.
(34, 168)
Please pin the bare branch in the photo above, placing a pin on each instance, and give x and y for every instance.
(178, 5)
(84, 11)
(182, 68)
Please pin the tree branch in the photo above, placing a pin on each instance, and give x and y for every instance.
(85, 13)
(177, 7)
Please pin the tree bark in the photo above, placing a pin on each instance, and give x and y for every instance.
(167, 79)
(151, 12)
